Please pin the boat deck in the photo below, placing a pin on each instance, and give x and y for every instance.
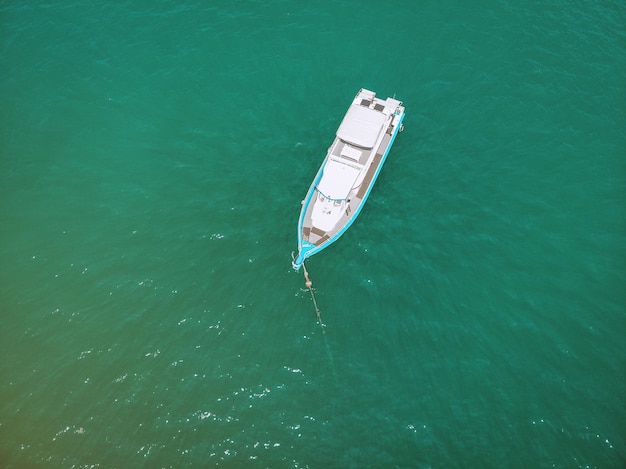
(317, 236)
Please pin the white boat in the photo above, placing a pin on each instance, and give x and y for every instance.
(348, 172)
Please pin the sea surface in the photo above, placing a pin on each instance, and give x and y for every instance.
(153, 157)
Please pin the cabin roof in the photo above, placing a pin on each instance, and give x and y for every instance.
(361, 126)
(337, 180)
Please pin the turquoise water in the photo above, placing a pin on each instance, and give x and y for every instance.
(153, 160)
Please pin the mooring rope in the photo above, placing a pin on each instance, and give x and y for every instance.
(309, 285)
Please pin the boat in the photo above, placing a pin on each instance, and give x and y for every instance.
(348, 173)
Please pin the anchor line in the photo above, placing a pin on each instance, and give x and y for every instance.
(309, 285)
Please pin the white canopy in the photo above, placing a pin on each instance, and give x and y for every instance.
(361, 126)
(337, 180)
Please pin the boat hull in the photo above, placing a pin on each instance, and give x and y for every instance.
(348, 173)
